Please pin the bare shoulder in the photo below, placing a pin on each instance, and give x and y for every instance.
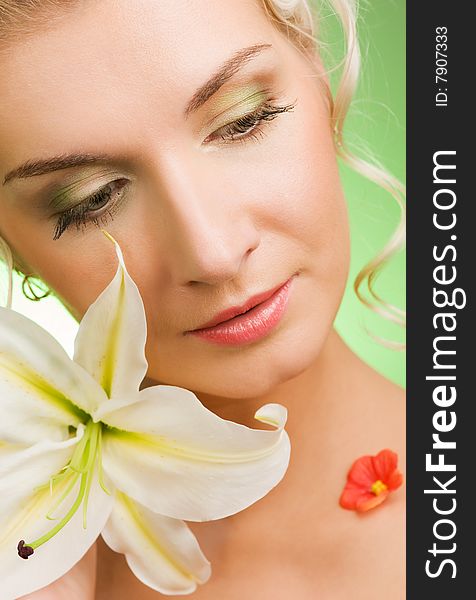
(375, 542)
(384, 402)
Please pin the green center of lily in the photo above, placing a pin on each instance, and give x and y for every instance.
(81, 465)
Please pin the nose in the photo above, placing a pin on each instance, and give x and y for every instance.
(207, 232)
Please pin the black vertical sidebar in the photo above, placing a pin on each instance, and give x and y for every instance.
(441, 271)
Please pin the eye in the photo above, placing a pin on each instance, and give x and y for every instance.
(89, 210)
(103, 204)
(248, 126)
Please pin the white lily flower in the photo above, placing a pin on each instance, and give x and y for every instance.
(127, 464)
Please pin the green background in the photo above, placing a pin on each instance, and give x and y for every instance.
(376, 122)
(376, 125)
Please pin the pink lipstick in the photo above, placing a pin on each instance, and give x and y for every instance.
(250, 322)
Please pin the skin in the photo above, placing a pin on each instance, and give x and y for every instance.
(205, 226)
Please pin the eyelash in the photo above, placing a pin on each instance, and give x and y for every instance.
(248, 124)
(242, 130)
(78, 215)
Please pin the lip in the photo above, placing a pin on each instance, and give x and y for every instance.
(251, 321)
(229, 313)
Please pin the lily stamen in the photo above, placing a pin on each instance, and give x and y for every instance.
(82, 465)
(92, 455)
(44, 538)
(63, 496)
(100, 469)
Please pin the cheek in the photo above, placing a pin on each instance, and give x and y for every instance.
(58, 263)
(310, 212)
(297, 196)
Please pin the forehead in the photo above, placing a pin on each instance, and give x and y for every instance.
(109, 61)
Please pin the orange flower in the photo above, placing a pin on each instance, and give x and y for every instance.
(370, 480)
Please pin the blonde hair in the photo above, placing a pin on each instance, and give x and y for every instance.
(297, 21)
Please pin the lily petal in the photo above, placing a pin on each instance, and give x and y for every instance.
(110, 342)
(22, 468)
(183, 461)
(59, 554)
(41, 389)
(162, 552)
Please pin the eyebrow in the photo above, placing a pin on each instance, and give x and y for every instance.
(226, 71)
(222, 75)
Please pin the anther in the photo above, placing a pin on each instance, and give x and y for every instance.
(24, 551)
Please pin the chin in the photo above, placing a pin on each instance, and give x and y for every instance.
(257, 374)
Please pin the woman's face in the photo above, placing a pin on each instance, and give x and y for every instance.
(207, 213)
